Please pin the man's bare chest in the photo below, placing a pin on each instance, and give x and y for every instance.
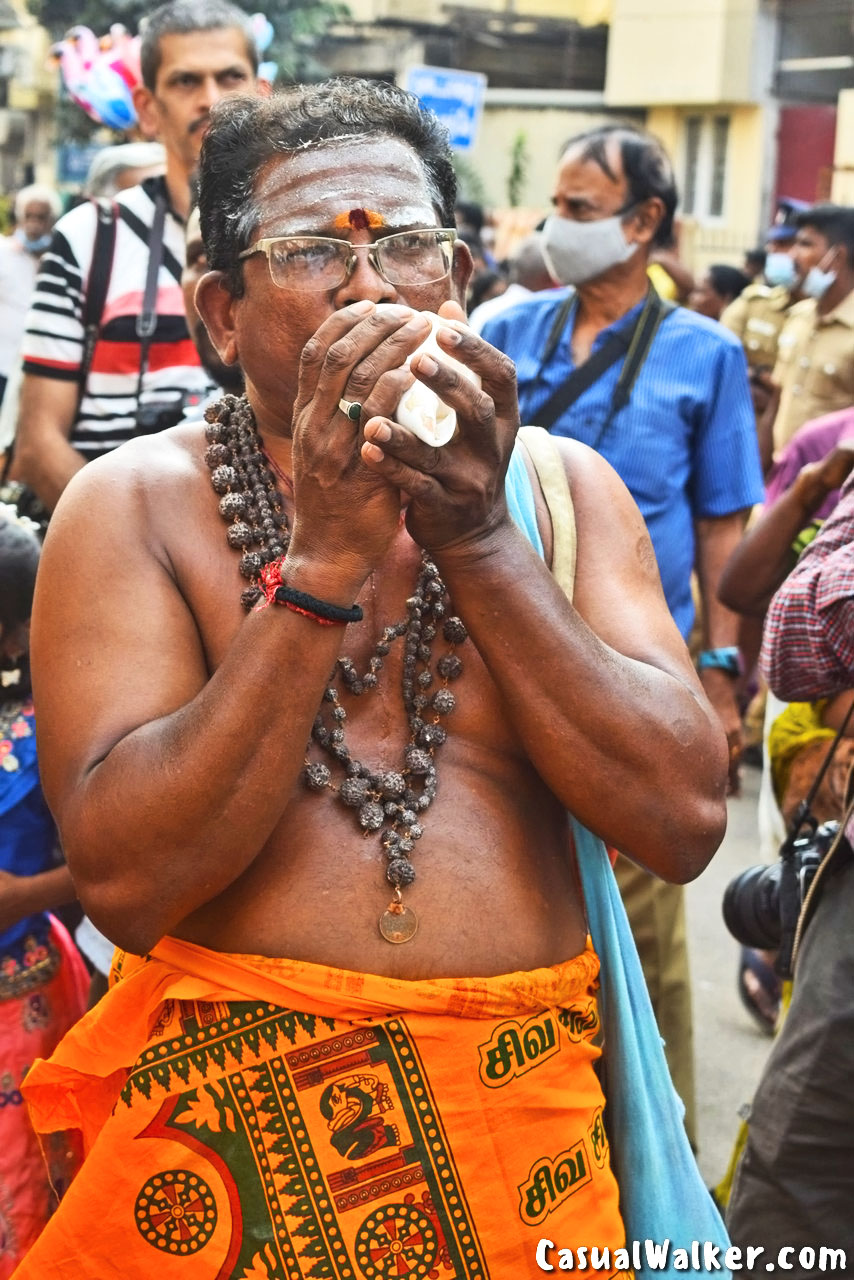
(379, 715)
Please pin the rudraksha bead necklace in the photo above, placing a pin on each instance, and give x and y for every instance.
(390, 803)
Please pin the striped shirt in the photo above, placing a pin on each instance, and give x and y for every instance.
(808, 643)
(53, 342)
(684, 446)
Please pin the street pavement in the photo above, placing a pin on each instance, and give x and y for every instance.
(730, 1050)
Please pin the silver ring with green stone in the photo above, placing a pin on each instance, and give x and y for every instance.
(352, 409)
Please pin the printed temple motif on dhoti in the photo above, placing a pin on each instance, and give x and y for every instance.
(253, 1119)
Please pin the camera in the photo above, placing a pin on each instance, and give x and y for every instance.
(751, 904)
(158, 415)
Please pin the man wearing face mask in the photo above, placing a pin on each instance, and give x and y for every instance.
(36, 210)
(757, 316)
(815, 355)
(662, 394)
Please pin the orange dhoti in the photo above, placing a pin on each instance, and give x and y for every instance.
(255, 1119)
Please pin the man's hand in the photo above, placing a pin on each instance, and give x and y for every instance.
(834, 470)
(346, 512)
(456, 492)
(721, 690)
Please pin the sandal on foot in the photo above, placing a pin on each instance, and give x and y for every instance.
(759, 989)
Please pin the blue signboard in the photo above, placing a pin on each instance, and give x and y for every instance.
(455, 96)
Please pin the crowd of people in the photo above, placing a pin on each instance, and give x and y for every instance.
(280, 1037)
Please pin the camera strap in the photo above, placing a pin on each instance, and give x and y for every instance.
(634, 341)
(832, 855)
(100, 271)
(146, 321)
(794, 913)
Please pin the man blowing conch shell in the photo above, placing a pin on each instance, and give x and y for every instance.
(312, 713)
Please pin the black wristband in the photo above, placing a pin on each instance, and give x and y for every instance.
(319, 608)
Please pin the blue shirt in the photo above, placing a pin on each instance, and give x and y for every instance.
(685, 445)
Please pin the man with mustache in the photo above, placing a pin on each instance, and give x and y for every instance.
(143, 369)
(330, 833)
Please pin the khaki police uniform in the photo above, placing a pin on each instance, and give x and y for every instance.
(757, 317)
(815, 365)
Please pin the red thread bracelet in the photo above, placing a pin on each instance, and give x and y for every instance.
(306, 613)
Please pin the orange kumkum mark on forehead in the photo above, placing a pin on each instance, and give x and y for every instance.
(359, 220)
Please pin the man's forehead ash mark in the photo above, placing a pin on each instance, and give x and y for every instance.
(359, 220)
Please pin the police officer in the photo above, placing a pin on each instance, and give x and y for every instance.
(759, 313)
(815, 350)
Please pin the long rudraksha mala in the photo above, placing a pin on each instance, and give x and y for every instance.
(390, 803)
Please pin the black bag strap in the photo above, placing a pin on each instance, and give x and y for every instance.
(635, 341)
(97, 286)
(146, 321)
(580, 379)
(146, 235)
(100, 271)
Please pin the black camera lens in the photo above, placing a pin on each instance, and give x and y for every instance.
(751, 907)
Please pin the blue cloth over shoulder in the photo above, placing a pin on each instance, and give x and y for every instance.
(662, 1195)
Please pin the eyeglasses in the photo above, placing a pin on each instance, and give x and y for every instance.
(320, 263)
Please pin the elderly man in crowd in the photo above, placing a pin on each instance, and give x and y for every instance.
(36, 210)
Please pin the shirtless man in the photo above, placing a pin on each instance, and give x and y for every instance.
(173, 740)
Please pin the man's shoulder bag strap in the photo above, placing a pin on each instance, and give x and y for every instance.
(635, 342)
(100, 270)
(146, 321)
(545, 455)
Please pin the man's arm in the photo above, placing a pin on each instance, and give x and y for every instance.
(601, 692)
(764, 557)
(717, 539)
(44, 459)
(52, 352)
(808, 645)
(726, 481)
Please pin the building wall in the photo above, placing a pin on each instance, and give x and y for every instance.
(655, 46)
(705, 238)
(842, 190)
(26, 149)
(545, 129)
(588, 12)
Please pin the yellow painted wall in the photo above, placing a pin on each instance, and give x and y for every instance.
(842, 190)
(724, 239)
(686, 51)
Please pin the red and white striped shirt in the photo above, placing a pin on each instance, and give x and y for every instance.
(53, 342)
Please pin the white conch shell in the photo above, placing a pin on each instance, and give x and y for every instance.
(420, 410)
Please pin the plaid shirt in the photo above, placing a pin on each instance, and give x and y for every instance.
(808, 645)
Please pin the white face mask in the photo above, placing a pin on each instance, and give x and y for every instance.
(576, 252)
(780, 270)
(32, 246)
(816, 282)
